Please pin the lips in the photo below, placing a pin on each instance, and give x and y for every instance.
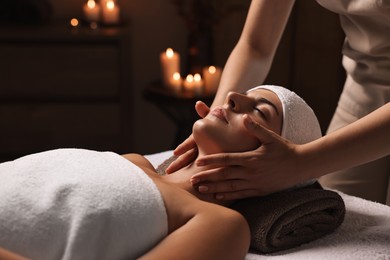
(219, 113)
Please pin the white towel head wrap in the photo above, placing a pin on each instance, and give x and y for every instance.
(300, 124)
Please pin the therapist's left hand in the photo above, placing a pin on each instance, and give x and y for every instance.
(271, 167)
(187, 151)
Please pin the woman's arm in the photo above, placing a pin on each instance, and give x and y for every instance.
(251, 59)
(198, 229)
(213, 233)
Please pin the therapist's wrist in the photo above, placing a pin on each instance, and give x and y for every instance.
(303, 161)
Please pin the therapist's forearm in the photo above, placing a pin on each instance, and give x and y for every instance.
(244, 69)
(251, 59)
(363, 141)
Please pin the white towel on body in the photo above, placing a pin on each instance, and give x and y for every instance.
(79, 204)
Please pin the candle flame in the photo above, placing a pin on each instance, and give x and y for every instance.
(74, 22)
(197, 77)
(190, 78)
(176, 76)
(169, 52)
(91, 4)
(212, 69)
(110, 5)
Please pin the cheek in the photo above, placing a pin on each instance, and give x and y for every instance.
(214, 137)
(243, 139)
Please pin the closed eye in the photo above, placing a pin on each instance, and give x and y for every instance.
(261, 112)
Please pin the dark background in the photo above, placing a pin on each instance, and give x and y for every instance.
(308, 61)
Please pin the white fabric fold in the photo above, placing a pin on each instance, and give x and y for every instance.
(79, 204)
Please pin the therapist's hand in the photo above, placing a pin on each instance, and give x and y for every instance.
(271, 167)
(187, 150)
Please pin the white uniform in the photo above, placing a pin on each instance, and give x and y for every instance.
(366, 60)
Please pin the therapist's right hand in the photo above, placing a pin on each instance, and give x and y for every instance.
(275, 165)
(187, 150)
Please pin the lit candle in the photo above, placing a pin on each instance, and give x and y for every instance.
(212, 76)
(170, 63)
(198, 84)
(91, 11)
(189, 83)
(74, 22)
(176, 82)
(111, 13)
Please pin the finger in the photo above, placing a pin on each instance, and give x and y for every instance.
(223, 187)
(217, 174)
(225, 159)
(182, 161)
(185, 146)
(237, 195)
(263, 134)
(202, 109)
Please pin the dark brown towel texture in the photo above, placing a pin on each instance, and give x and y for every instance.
(284, 220)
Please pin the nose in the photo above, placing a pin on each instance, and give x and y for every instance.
(238, 102)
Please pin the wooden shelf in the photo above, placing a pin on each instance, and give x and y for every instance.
(64, 87)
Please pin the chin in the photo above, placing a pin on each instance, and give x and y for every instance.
(206, 138)
(213, 138)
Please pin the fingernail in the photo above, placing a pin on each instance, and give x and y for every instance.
(195, 181)
(203, 188)
(219, 196)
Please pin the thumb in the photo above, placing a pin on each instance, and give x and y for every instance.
(263, 134)
(202, 109)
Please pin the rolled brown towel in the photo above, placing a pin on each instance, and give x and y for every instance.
(288, 219)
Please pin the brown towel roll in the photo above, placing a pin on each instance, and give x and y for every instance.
(288, 219)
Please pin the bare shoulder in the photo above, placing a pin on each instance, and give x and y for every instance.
(200, 224)
(182, 207)
(139, 160)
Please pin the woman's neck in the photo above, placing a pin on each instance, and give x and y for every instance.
(181, 178)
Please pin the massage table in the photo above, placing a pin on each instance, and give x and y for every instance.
(364, 234)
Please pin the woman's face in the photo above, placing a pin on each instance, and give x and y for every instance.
(223, 130)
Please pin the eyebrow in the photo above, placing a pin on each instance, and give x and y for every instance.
(266, 101)
(263, 100)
